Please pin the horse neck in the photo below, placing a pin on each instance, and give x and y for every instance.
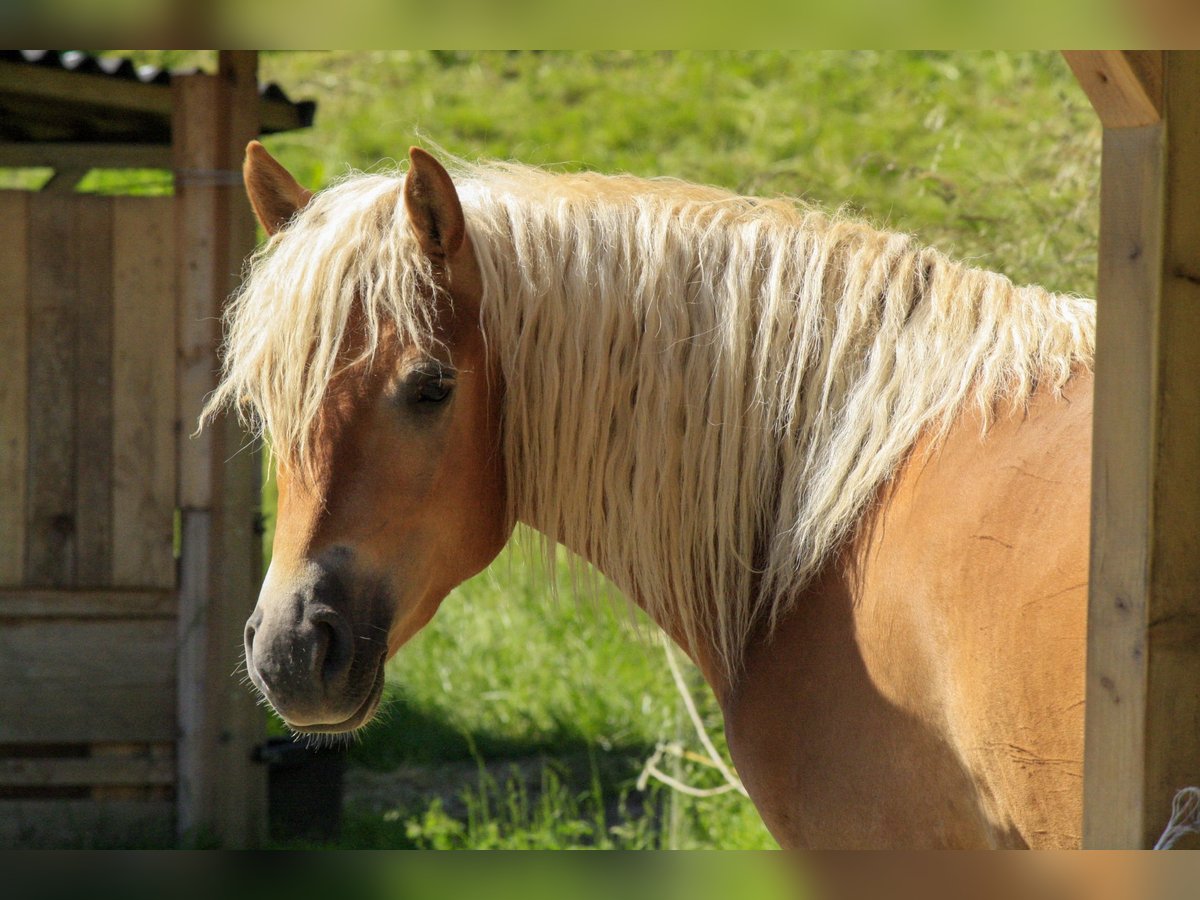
(705, 414)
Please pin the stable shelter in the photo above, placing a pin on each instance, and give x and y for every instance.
(130, 549)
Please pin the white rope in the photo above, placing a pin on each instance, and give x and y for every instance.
(651, 770)
(714, 760)
(1185, 818)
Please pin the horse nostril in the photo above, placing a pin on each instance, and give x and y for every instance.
(248, 638)
(334, 651)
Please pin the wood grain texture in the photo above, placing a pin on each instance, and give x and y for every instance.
(87, 681)
(14, 401)
(1143, 709)
(145, 432)
(219, 788)
(69, 155)
(1131, 243)
(1172, 743)
(93, 304)
(87, 771)
(237, 541)
(199, 233)
(50, 539)
(78, 603)
(1125, 87)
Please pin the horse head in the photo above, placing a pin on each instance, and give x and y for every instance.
(403, 494)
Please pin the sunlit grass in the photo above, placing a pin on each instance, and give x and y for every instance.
(507, 671)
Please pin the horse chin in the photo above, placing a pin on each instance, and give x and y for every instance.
(360, 717)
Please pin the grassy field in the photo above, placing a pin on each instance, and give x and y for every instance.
(519, 721)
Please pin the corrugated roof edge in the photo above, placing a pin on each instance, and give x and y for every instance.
(124, 68)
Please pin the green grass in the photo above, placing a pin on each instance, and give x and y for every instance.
(991, 156)
(570, 688)
(518, 721)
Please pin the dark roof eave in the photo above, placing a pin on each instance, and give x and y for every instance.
(135, 102)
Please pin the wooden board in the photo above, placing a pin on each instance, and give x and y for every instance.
(1143, 707)
(1131, 209)
(84, 824)
(219, 788)
(1124, 86)
(143, 376)
(1172, 743)
(97, 461)
(118, 771)
(64, 681)
(14, 325)
(50, 538)
(77, 603)
(198, 292)
(93, 306)
(61, 155)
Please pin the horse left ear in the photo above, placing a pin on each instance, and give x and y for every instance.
(433, 208)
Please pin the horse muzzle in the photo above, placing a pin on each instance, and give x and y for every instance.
(315, 651)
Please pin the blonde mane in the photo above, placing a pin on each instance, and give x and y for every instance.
(703, 392)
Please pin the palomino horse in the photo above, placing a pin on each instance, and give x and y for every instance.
(848, 475)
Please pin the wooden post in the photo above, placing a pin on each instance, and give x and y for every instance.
(1143, 702)
(221, 791)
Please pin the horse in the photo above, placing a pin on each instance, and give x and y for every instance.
(848, 475)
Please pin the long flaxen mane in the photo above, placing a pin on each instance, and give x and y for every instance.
(703, 392)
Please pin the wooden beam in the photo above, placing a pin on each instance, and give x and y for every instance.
(84, 156)
(50, 83)
(1131, 240)
(32, 603)
(1143, 706)
(221, 790)
(1125, 86)
(100, 770)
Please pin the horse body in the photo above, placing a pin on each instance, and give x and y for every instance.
(847, 476)
(934, 670)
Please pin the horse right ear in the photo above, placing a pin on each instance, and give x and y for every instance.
(273, 192)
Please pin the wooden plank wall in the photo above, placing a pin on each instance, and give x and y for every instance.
(115, 657)
(145, 434)
(87, 405)
(87, 511)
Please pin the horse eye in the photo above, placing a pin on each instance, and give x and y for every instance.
(433, 391)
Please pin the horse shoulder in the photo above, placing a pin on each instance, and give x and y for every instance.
(928, 688)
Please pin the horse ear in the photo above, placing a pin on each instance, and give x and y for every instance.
(273, 192)
(433, 207)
